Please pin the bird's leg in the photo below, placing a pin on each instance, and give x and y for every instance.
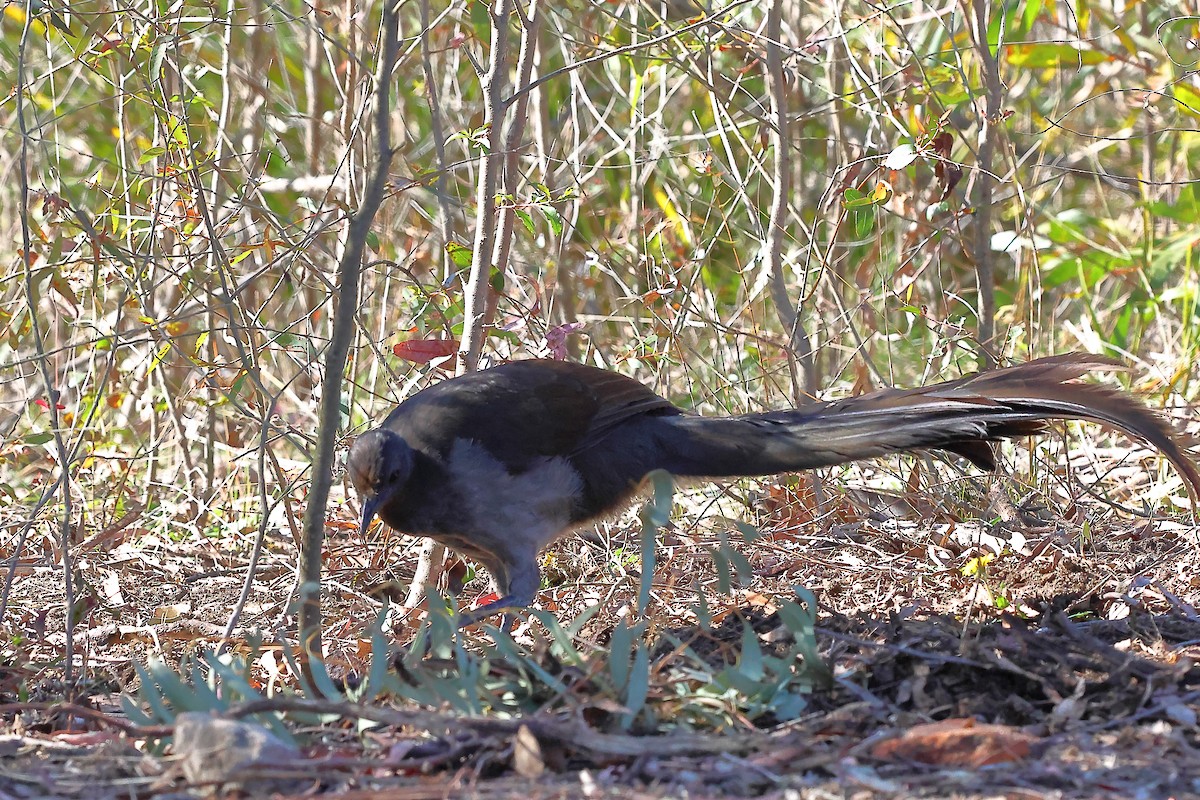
(516, 578)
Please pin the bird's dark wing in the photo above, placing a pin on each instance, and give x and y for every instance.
(524, 410)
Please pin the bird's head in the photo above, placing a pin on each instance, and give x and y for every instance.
(379, 466)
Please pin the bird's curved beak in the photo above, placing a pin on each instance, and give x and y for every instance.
(370, 508)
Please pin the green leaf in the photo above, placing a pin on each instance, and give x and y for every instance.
(158, 357)
(620, 646)
(635, 95)
(481, 20)
(788, 705)
(553, 217)
(1073, 270)
(654, 514)
(526, 219)
(148, 691)
(205, 690)
(864, 222)
(1187, 98)
(459, 254)
(324, 683)
(853, 198)
(799, 619)
(639, 684)
(159, 56)
(741, 566)
(171, 689)
(703, 614)
(381, 658)
(1051, 54)
(1029, 15)
(150, 154)
(135, 714)
(38, 438)
(998, 29)
(564, 648)
(947, 84)
(514, 654)
(724, 578)
(751, 662)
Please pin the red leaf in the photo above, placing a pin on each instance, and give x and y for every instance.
(422, 351)
(556, 339)
(483, 600)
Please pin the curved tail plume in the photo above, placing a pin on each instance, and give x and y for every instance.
(963, 416)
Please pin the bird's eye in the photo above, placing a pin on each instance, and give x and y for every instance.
(395, 476)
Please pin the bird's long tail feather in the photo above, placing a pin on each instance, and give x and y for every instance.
(963, 416)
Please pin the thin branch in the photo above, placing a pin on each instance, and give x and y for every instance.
(801, 345)
(439, 141)
(630, 48)
(432, 554)
(350, 272)
(512, 138)
(490, 249)
(982, 245)
(490, 165)
(52, 394)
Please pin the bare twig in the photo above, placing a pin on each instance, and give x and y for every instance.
(631, 48)
(263, 524)
(490, 165)
(492, 236)
(512, 138)
(350, 270)
(432, 554)
(439, 141)
(982, 244)
(801, 345)
(571, 731)
(48, 380)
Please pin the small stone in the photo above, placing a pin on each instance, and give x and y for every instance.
(213, 750)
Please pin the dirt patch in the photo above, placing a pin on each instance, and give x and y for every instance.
(1078, 640)
(1110, 707)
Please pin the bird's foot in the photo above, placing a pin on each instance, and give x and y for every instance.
(505, 604)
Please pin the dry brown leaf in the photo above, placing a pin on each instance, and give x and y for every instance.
(169, 613)
(754, 599)
(527, 754)
(958, 743)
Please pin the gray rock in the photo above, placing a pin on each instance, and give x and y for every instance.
(217, 751)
